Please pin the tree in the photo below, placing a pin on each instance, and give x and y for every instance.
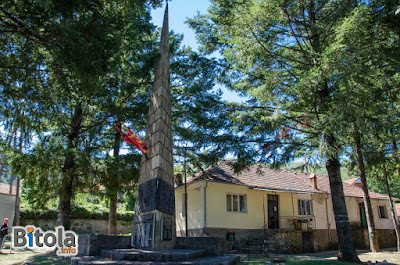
(366, 71)
(57, 58)
(284, 55)
(75, 106)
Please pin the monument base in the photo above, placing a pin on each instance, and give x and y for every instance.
(213, 246)
(91, 245)
(153, 230)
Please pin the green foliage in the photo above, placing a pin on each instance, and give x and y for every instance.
(97, 73)
(319, 169)
(377, 184)
(84, 206)
(200, 117)
(64, 66)
(318, 73)
(5, 176)
(310, 68)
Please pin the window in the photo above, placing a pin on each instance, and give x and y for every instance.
(382, 212)
(236, 203)
(304, 207)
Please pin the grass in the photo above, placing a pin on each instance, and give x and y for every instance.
(48, 257)
(42, 256)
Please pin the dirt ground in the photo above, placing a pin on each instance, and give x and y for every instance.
(47, 256)
(388, 255)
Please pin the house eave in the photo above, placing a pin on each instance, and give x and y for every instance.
(280, 191)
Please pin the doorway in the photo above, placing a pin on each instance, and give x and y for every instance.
(273, 212)
(363, 217)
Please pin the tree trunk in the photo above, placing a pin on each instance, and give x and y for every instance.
(64, 206)
(11, 176)
(11, 182)
(396, 155)
(17, 201)
(9, 139)
(347, 251)
(373, 239)
(112, 217)
(395, 223)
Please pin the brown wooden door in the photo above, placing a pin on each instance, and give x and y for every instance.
(273, 212)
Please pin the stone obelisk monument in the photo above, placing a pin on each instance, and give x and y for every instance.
(154, 220)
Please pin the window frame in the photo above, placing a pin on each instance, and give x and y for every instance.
(302, 209)
(383, 211)
(234, 203)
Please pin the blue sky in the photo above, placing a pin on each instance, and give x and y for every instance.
(179, 11)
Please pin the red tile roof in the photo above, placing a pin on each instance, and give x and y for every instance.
(256, 176)
(264, 177)
(398, 209)
(349, 190)
(351, 181)
(5, 188)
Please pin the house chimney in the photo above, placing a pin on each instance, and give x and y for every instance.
(357, 183)
(178, 179)
(313, 180)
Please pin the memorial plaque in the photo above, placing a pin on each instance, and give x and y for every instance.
(166, 228)
(142, 230)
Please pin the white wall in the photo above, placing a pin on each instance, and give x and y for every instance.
(195, 206)
(7, 208)
(217, 216)
(352, 204)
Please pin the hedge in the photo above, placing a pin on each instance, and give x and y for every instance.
(77, 213)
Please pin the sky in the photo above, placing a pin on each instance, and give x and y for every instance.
(178, 12)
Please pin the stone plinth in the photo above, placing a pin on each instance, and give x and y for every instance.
(213, 246)
(91, 245)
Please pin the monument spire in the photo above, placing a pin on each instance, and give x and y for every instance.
(154, 220)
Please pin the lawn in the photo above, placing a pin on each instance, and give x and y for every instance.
(48, 257)
(36, 256)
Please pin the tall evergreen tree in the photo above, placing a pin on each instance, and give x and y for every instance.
(57, 58)
(290, 58)
(366, 71)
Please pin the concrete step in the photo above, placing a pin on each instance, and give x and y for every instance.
(217, 260)
(152, 255)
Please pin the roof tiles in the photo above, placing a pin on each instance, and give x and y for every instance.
(5, 188)
(258, 176)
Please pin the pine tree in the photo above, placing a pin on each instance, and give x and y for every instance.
(294, 61)
(57, 58)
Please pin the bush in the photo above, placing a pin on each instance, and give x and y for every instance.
(84, 206)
